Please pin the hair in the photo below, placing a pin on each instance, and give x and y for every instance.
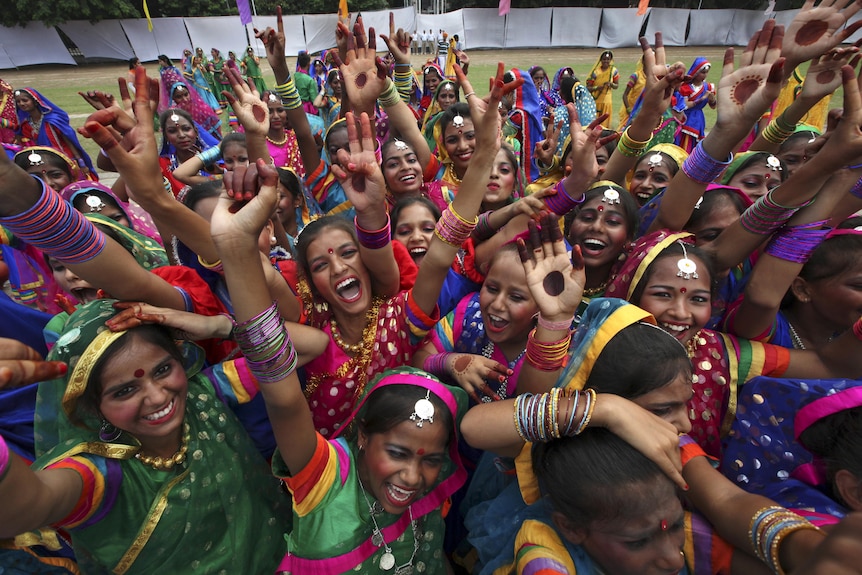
(133, 62)
(288, 179)
(163, 117)
(303, 60)
(202, 191)
(793, 138)
(567, 83)
(456, 109)
(49, 157)
(158, 335)
(311, 232)
(837, 441)
(610, 145)
(760, 157)
(597, 476)
(609, 53)
(627, 202)
(403, 203)
(712, 200)
(535, 69)
(164, 59)
(675, 250)
(507, 248)
(452, 84)
(237, 138)
(80, 200)
(392, 405)
(384, 148)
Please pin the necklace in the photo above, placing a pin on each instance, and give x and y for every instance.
(352, 348)
(167, 463)
(387, 560)
(596, 290)
(451, 176)
(691, 345)
(36, 124)
(797, 341)
(502, 390)
(274, 143)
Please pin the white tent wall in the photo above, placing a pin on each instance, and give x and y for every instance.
(745, 24)
(320, 31)
(168, 37)
(379, 20)
(6, 62)
(529, 28)
(709, 27)
(575, 27)
(671, 22)
(620, 28)
(34, 44)
(104, 39)
(294, 35)
(452, 22)
(858, 34)
(223, 32)
(484, 28)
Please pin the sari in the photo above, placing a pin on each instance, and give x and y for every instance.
(8, 113)
(635, 85)
(251, 64)
(694, 128)
(764, 454)
(218, 510)
(139, 220)
(603, 95)
(331, 530)
(201, 111)
(720, 363)
(523, 128)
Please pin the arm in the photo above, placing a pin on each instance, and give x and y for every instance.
(251, 112)
(21, 365)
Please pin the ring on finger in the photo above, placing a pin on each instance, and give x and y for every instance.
(467, 95)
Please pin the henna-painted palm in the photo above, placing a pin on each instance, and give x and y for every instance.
(844, 145)
(816, 30)
(824, 73)
(358, 170)
(483, 111)
(363, 74)
(250, 110)
(398, 42)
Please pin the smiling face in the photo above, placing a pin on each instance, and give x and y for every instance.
(721, 215)
(680, 306)
(337, 271)
(446, 96)
(399, 466)
(235, 154)
(506, 304)
(143, 392)
(837, 299)
(432, 80)
(755, 180)
(277, 114)
(650, 176)
(24, 102)
(501, 183)
(459, 143)
(401, 170)
(54, 177)
(599, 229)
(414, 229)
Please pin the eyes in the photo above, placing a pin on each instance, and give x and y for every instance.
(590, 215)
(493, 289)
(321, 263)
(640, 544)
(454, 140)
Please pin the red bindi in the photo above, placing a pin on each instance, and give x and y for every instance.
(682, 290)
(600, 208)
(663, 524)
(139, 373)
(330, 250)
(420, 451)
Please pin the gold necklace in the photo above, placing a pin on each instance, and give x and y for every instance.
(451, 176)
(274, 143)
(691, 345)
(167, 463)
(590, 292)
(351, 348)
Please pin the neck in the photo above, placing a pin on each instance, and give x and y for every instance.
(810, 326)
(276, 133)
(290, 227)
(597, 275)
(512, 349)
(350, 326)
(163, 447)
(36, 113)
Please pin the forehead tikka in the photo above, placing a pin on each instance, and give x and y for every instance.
(687, 267)
(423, 410)
(458, 121)
(773, 163)
(400, 146)
(35, 159)
(654, 161)
(95, 203)
(175, 118)
(610, 196)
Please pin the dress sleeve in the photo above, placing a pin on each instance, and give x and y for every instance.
(101, 479)
(233, 382)
(539, 551)
(318, 479)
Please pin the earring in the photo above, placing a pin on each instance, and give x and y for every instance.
(108, 432)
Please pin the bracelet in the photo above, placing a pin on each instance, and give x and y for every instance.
(547, 356)
(703, 168)
(209, 155)
(629, 147)
(53, 226)
(572, 404)
(215, 266)
(5, 460)
(266, 345)
(404, 65)
(797, 243)
(768, 527)
(856, 190)
(373, 239)
(857, 329)
(453, 229)
(560, 202)
(436, 364)
(588, 411)
(484, 230)
(555, 325)
(289, 95)
(232, 333)
(777, 131)
(390, 96)
(765, 215)
(537, 416)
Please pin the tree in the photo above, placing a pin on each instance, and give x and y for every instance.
(19, 12)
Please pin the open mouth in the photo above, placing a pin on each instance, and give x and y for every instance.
(85, 295)
(349, 289)
(675, 329)
(162, 414)
(418, 252)
(407, 179)
(496, 323)
(398, 495)
(592, 246)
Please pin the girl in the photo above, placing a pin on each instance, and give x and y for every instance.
(181, 141)
(654, 170)
(402, 171)
(603, 78)
(447, 93)
(231, 152)
(250, 65)
(413, 221)
(755, 173)
(281, 139)
(328, 101)
(51, 166)
(199, 82)
(176, 93)
(96, 198)
(691, 98)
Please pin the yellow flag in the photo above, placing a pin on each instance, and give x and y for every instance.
(147, 14)
(342, 9)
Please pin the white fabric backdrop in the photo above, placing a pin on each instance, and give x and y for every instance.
(709, 27)
(620, 28)
(5, 61)
(451, 22)
(670, 22)
(484, 28)
(379, 20)
(168, 37)
(528, 28)
(575, 27)
(34, 44)
(320, 31)
(294, 37)
(223, 32)
(745, 23)
(103, 39)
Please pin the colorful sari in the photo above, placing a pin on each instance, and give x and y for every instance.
(635, 85)
(720, 363)
(524, 125)
(694, 129)
(201, 111)
(220, 510)
(603, 95)
(8, 113)
(332, 532)
(251, 64)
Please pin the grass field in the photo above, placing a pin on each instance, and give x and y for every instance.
(61, 84)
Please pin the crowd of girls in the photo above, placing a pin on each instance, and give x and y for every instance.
(395, 325)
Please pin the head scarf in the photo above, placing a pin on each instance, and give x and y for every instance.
(201, 113)
(437, 69)
(39, 150)
(740, 159)
(643, 252)
(139, 220)
(699, 63)
(526, 114)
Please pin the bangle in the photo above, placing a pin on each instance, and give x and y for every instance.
(536, 416)
(390, 96)
(373, 239)
(778, 130)
(631, 148)
(560, 202)
(5, 460)
(289, 95)
(453, 229)
(703, 168)
(572, 404)
(404, 65)
(555, 325)
(484, 230)
(266, 345)
(215, 266)
(768, 527)
(436, 364)
(765, 215)
(209, 155)
(857, 329)
(856, 190)
(797, 243)
(547, 356)
(588, 411)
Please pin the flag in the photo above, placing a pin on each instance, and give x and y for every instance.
(342, 9)
(244, 12)
(505, 6)
(147, 14)
(642, 7)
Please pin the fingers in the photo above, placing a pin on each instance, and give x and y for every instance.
(391, 26)
(279, 20)
(382, 69)
(125, 97)
(14, 349)
(577, 258)
(24, 372)
(99, 134)
(660, 58)
(727, 67)
(368, 142)
(249, 183)
(352, 135)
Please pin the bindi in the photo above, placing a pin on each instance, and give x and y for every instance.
(554, 283)
(139, 372)
(420, 451)
(331, 251)
(663, 524)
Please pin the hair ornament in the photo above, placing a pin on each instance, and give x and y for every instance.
(773, 163)
(400, 146)
(654, 161)
(18, 92)
(611, 196)
(95, 203)
(458, 121)
(35, 159)
(687, 267)
(175, 118)
(272, 97)
(423, 410)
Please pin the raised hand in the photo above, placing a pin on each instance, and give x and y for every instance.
(483, 111)
(184, 325)
(545, 150)
(358, 170)
(824, 73)
(20, 365)
(249, 201)
(844, 143)
(814, 31)
(363, 73)
(556, 282)
(661, 80)
(583, 154)
(397, 42)
(250, 110)
(97, 99)
(273, 42)
(472, 371)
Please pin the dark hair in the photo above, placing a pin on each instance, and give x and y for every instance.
(384, 148)
(628, 204)
(639, 359)
(597, 476)
(303, 59)
(535, 69)
(610, 145)
(391, 405)
(233, 138)
(133, 63)
(507, 248)
(158, 335)
(403, 203)
(164, 59)
(794, 137)
(672, 250)
(49, 157)
(712, 200)
(566, 85)
(837, 440)
(80, 201)
(163, 117)
(456, 109)
(288, 179)
(761, 158)
(202, 191)
(311, 232)
(609, 53)
(666, 159)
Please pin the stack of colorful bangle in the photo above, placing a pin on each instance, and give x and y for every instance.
(209, 155)
(560, 202)
(403, 80)
(436, 364)
(454, 229)
(390, 96)
(537, 416)
(796, 243)
(778, 130)
(56, 228)
(547, 356)
(374, 239)
(289, 95)
(5, 461)
(266, 345)
(856, 190)
(765, 216)
(703, 168)
(768, 527)
(631, 148)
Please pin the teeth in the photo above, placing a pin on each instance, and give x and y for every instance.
(418, 250)
(344, 283)
(644, 195)
(675, 327)
(399, 494)
(408, 178)
(594, 244)
(160, 414)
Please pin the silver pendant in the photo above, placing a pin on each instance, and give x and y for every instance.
(377, 538)
(387, 561)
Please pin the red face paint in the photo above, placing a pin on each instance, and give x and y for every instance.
(139, 373)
